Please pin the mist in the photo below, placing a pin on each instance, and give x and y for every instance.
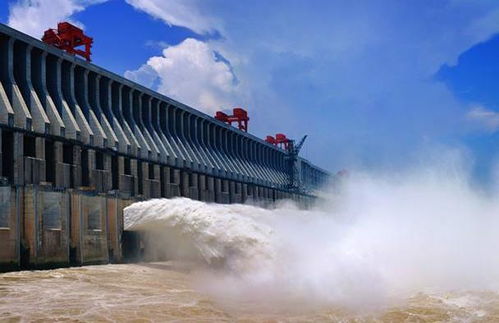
(373, 239)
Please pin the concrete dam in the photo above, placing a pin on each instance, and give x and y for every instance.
(79, 144)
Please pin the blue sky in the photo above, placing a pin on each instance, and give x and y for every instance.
(373, 84)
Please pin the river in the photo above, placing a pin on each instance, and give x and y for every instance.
(158, 292)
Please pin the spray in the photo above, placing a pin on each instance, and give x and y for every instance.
(377, 239)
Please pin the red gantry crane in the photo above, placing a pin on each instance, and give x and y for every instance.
(239, 115)
(280, 140)
(68, 37)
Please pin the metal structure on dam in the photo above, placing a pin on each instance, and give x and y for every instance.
(79, 143)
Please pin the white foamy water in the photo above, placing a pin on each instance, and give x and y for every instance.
(375, 241)
(220, 235)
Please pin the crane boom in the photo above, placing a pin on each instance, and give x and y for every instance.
(293, 162)
(300, 144)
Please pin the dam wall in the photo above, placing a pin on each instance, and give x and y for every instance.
(79, 143)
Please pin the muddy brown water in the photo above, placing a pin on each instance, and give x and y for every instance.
(159, 292)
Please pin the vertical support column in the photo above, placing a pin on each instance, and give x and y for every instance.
(232, 192)
(157, 170)
(207, 188)
(150, 180)
(165, 181)
(237, 193)
(77, 167)
(184, 184)
(258, 193)
(249, 193)
(254, 193)
(210, 186)
(225, 191)
(107, 179)
(155, 182)
(18, 158)
(41, 162)
(218, 190)
(99, 170)
(202, 187)
(244, 192)
(146, 187)
(125, 182)
(120, 169)
(194, 186)
(135, 175)
(176, 182)
(93, 180)
(58, 167)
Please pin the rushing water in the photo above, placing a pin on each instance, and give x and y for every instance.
(162, 291)
(419, 247)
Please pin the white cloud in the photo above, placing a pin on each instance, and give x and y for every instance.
(486, 119)
(184, 13)
(191, 73)
(33, 17)
(363, 68)
(145, 75)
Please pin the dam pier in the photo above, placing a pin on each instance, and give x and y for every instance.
(78, 144)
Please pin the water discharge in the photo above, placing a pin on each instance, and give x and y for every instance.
(374, 241)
